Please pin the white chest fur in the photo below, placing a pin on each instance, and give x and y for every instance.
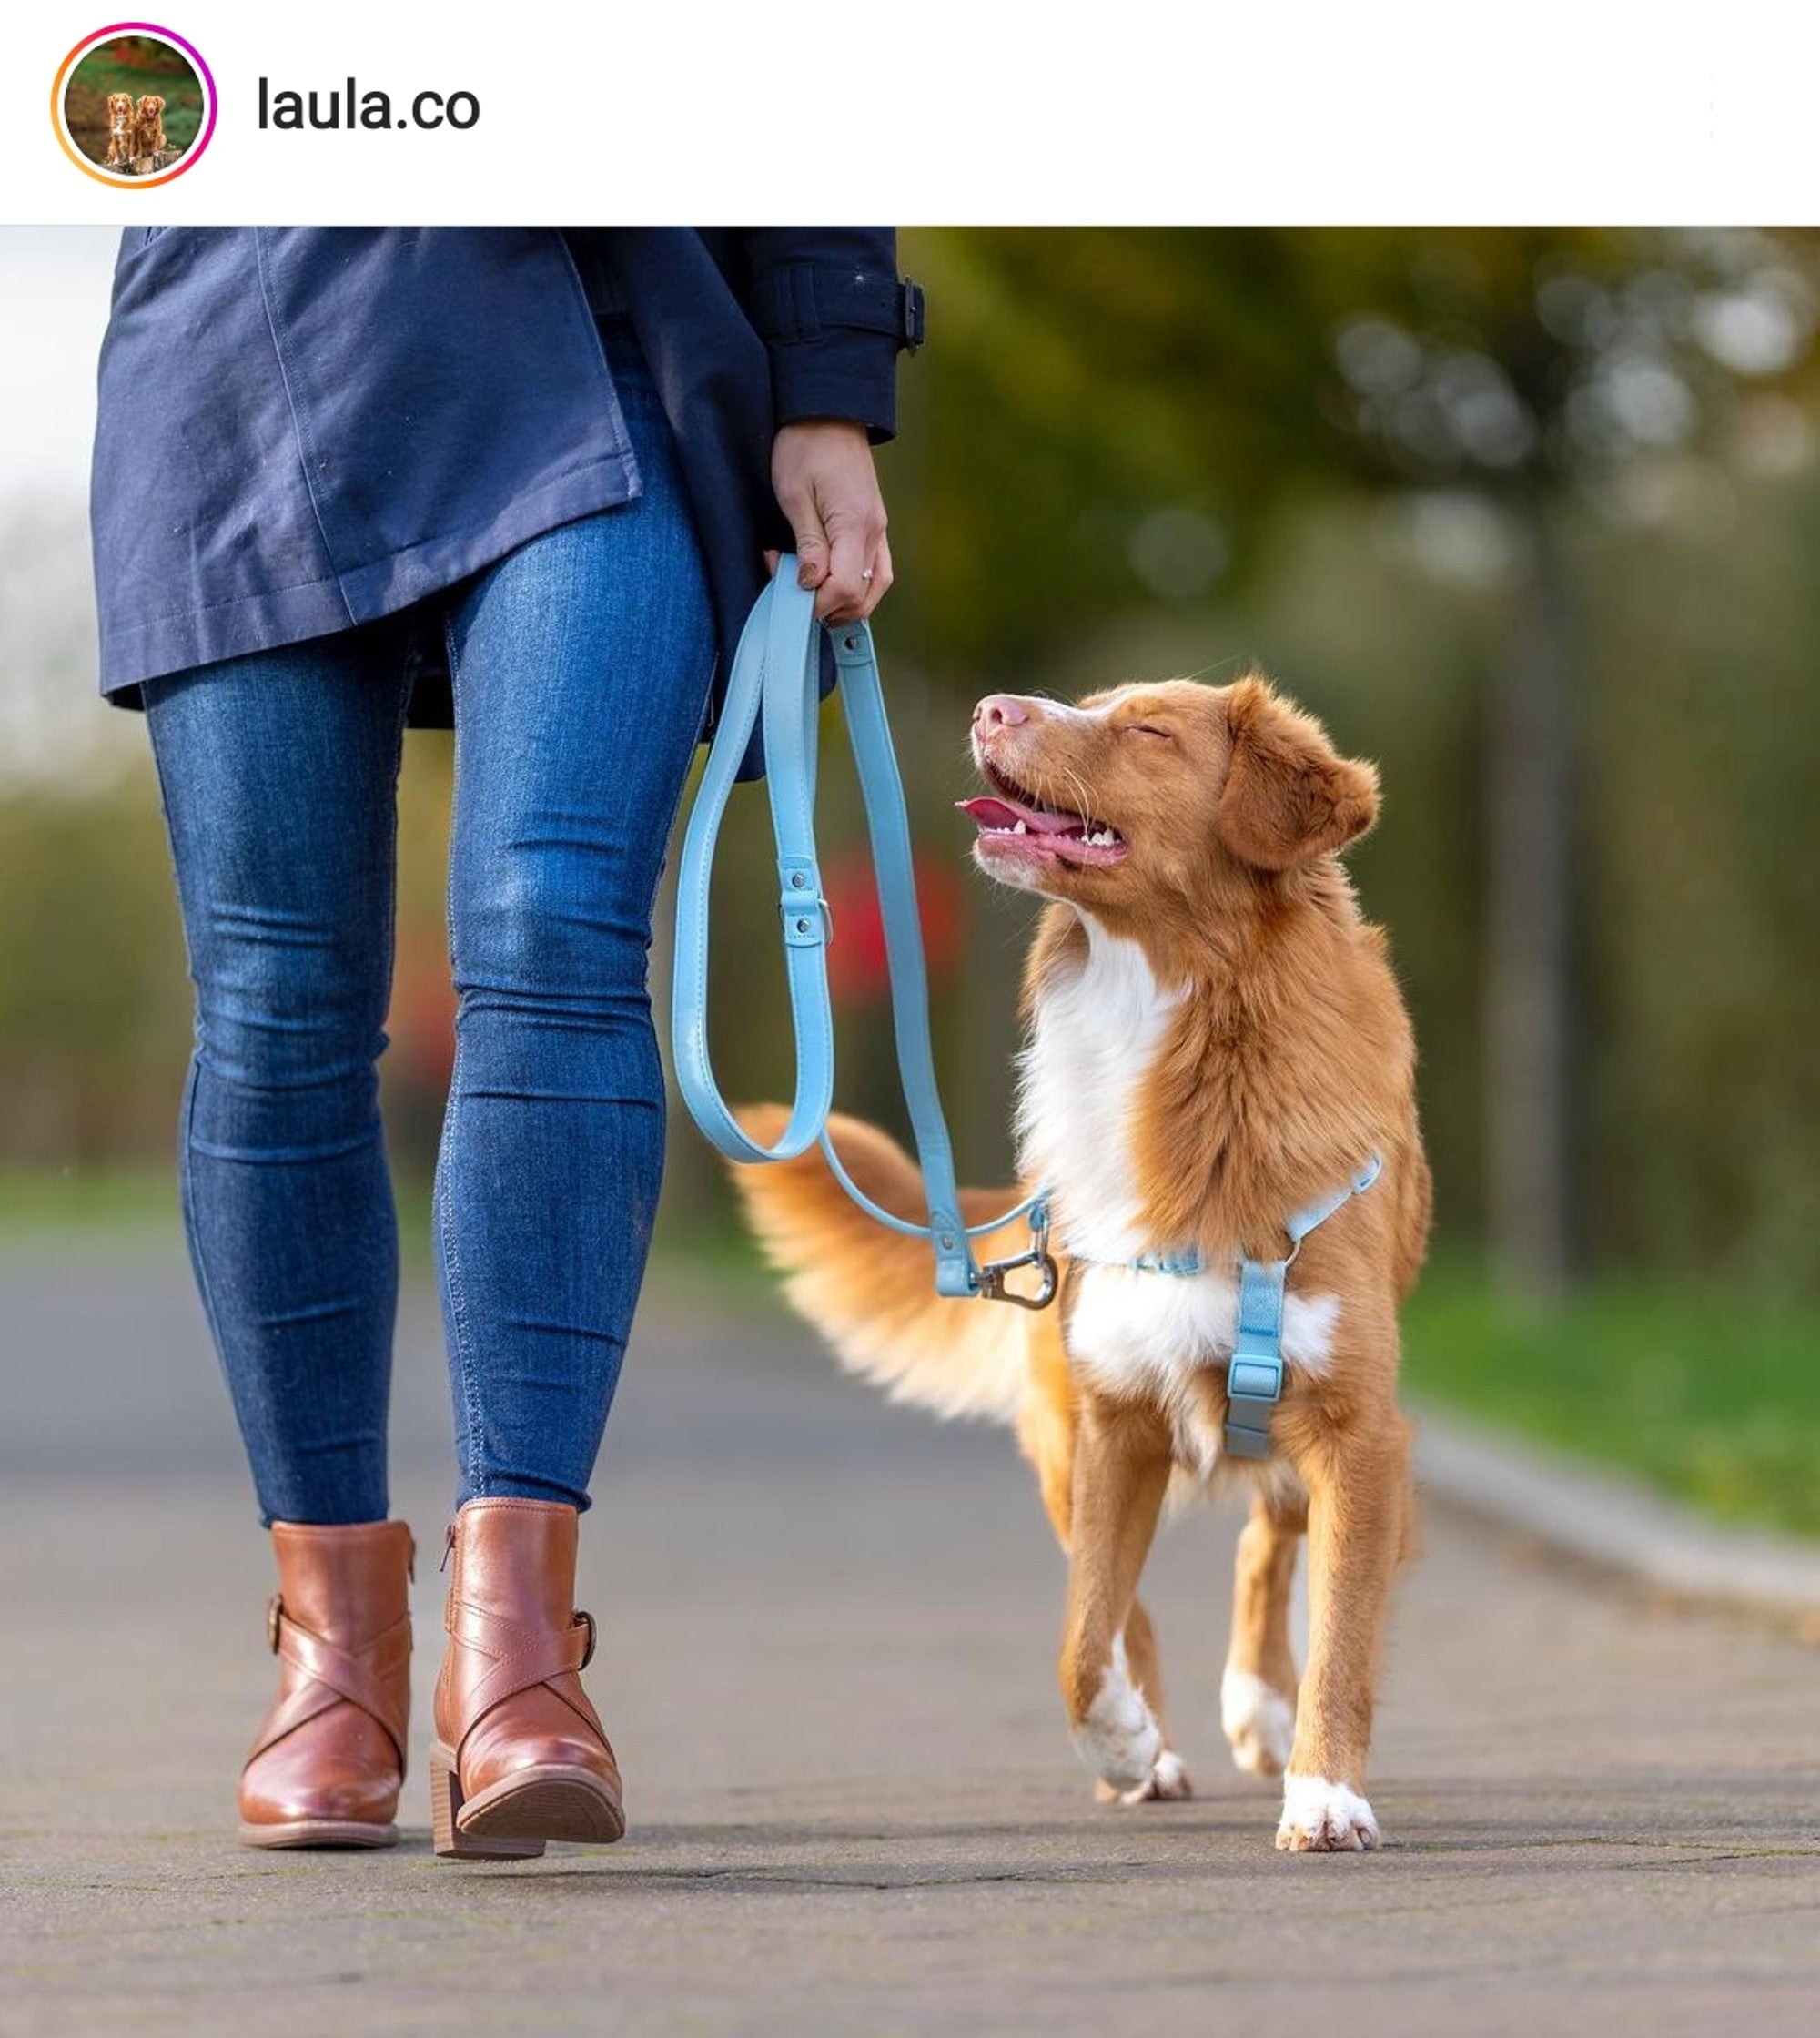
(1095, 1036)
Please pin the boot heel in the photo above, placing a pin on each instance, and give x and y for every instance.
(445, 1809)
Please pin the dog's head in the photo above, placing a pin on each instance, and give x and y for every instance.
(119, 111)
(151, 110)
(1148, 798)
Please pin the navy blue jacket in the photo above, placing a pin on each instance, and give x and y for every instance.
(306, 428)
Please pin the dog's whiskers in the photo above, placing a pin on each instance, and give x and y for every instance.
(1085, 806)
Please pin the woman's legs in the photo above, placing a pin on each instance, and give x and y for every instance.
(581, 665)
(279, 773)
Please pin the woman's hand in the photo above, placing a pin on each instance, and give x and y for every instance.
(826, 485)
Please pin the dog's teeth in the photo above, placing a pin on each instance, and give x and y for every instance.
(1020, 829)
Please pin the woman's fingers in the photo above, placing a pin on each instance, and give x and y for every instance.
(843, 593)
(875, 583)
(878, 581)
(811, 548)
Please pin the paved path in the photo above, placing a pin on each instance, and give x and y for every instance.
(827, 1628)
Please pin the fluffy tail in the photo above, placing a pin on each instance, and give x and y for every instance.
(871, 1292)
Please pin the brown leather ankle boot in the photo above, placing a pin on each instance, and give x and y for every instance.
(519, 1756)
(329, 1761)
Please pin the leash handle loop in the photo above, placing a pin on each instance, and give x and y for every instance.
(773, 673)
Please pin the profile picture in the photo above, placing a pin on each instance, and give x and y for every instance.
(134, 109)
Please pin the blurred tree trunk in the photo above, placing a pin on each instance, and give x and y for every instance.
(1529, 1032)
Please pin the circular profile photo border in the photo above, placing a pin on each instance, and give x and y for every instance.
(61, 86)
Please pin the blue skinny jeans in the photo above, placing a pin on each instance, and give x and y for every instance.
(582, 664)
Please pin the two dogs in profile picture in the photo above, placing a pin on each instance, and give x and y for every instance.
(135, 128)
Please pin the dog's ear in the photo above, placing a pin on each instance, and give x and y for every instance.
(1288, 795)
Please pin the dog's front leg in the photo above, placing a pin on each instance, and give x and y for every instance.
(1121, 1472)
(1359, 1503)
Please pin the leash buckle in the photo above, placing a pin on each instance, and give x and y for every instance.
(992, 1275)
(807, 922)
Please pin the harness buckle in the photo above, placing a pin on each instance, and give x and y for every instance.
(992, 1275)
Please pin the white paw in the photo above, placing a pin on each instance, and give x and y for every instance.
(1323, 1818)
(1168, 1782)
(1259, 1722)
(1119, 1740)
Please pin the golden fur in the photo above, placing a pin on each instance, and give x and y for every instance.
(151, 117)
(1283, 1057)
(123, 130)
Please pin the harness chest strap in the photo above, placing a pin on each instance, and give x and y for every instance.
(1254, 1379)
(1254, 1376)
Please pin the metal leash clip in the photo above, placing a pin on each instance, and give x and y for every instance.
(992, 1275)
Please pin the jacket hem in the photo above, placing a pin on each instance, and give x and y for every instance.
(270, 618)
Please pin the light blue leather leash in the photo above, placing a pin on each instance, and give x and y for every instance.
(1254, 1377)
(776, 676)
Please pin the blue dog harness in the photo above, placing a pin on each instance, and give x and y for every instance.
(1254, 1377)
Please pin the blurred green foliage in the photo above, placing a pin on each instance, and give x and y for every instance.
(94, 1004)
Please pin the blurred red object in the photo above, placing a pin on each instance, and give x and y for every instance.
(857, 969)
(421, 1021)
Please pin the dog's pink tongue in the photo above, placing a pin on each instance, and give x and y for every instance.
(989, 813)
(986, 810)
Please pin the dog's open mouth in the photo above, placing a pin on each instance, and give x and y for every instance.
(1012, 821)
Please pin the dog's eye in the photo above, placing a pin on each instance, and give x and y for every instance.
(1148, 729)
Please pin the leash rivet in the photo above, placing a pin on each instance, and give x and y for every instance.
(802, 927)
(797, 880)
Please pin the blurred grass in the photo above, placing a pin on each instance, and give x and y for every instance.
(83, 1209)
(1710, 1392)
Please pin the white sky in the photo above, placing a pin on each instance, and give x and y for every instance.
(55, 734)
(53, 286)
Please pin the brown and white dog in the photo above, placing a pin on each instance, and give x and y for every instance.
(123, 130)
(1214, 1040)
(152, 140)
